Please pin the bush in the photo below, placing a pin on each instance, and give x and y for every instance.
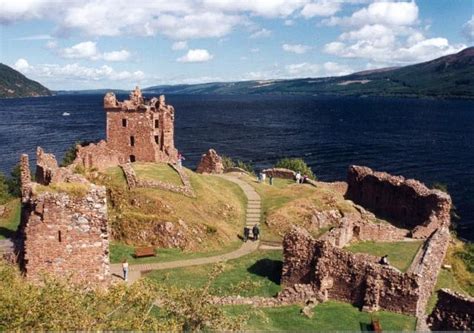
(4, 193)
(296, 164)
(227, 162)
(14, 182)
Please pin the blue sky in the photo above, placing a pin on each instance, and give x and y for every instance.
(88, 44)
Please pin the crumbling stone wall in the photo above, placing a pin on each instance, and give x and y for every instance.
(280, 173)
(46, 166)
(64, 229)
(453, 312)
(140, 129)
(345, 276)
(98, 156)
(210, 162)
(407, 202)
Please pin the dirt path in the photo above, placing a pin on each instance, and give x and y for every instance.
(253, 216)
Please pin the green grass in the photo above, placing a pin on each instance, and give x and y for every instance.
(400, 254)
(157, 171)
(119, 251)
(257, 274)
(328, 316)
(11, 220)
(446, 279)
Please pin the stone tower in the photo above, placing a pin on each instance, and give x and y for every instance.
(140, 129)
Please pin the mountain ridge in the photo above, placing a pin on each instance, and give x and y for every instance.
(13, 84)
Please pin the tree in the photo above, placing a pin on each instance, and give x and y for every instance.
(297, 165)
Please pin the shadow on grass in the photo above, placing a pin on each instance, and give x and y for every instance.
(7, 233)
(268, 268)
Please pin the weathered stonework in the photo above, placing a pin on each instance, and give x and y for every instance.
(64, 225)
(453, 312)
(407, 202)
(280, 173)
(138, 129)
(210, 162)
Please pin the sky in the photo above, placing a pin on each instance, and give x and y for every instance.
(91, 44)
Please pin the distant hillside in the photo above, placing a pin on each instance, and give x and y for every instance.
(450, 76)
(15, 84)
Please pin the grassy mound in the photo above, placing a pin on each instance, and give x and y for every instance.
(400, 254)
(286, 203)
(155, 217)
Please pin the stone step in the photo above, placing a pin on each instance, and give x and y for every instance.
(250, 216)
(253, 209)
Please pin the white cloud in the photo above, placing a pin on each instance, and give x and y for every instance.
(21, 65)
(261, 33)
(86, 50)
(52, 44)
(468, 30)
(89, 50)
(321, 8)
(335, 69)
(302, 70)
(265, 8)
(196, 55)
(180, 45)
(35, 37)
(383, 12)
(288, 23)
(296, 48)
(76, 72)
(116, 55)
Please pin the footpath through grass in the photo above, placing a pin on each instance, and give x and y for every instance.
(329, 316)
(400, 254)
(119, 252)
(11, 219)
(256, 274)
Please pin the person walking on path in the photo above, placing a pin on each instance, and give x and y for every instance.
(256, 232)
(125, 269)
(305, 178)
(270, 178)
(180, 160)
(298, 177)
(246, 233)
(263, 175)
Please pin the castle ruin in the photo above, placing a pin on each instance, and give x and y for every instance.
(64, 229)
(138, 129)
(329, 271)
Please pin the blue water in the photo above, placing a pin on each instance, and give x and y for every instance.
(430, 140)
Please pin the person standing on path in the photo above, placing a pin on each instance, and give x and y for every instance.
(255, 232)
(270, 178)
(125, 269)
(298, 177)
(246, 233)
(180, 160)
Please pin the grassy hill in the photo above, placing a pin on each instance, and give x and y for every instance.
(448, 77)
(15, 84)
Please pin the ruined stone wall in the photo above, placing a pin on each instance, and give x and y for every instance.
(46, 166)
(140, 130)
(97, 156)
(345, 276)
(408, 203)
(378, 232)
(453, 312)
(210, 162)
(64, 225)
(280, 173)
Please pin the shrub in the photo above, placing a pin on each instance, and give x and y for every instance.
(14, 182)
(296, 164)
(4, 193)
(227, 162)
(247, 166)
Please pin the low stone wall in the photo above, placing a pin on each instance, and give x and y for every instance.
(97, 156)
(133, 181)
(280, 173)
(409, 203)
(453, 312)
(378, 232)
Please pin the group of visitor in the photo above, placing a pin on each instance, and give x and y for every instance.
(255, 233)
(301, 179)
(262, 176)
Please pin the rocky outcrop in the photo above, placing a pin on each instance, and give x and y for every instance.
(406, 202)
(453, 312)
(210, 162)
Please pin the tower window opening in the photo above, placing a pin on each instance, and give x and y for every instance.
(124, 122)
(157, 139)
(132, 141)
